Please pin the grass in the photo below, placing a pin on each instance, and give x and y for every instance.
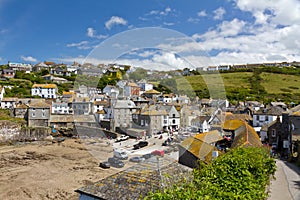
(280, 83)
(217, 83)
(236, 80)
(5, 115)
(278, 86)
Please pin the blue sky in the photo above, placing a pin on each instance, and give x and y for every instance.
(229, 31)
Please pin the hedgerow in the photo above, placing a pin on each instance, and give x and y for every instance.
(242, 173)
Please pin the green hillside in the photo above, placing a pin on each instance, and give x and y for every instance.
(257, 85)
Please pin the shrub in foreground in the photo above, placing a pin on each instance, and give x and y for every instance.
(242, 173)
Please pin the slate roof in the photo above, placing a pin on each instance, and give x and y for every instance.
(44, 86)
(39, 104)
(201, 146)
(274, 111)
(245, 136)
(152, 91)
(13, 99)
(124, 104)
(72, 118)
(137, 181)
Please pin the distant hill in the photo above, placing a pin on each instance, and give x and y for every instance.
(261, 86)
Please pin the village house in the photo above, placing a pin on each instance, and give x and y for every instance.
(266, 116)
(151, 94)
(187, 114)
(54, 79)
(60, 108)
(144, 86)
(81, 106)
(8, 102)
(270, 133)
(131, 89)
(99, 105)
(20, 111)
(294, 118)
(82, 91)
(111, 91)
(47, 91)
(61, 121)
(201, 123)
(8, 73)
(151, 118)
(199, 147)
(100, 115)
(73, 69)
(60, 71)
(2, 92)
(173, 117)
(38, 114)
(122, 114)
(212, 68)
(42, 66)
(223, 67)
(27, 68)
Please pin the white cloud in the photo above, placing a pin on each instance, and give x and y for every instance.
(80, 45)
(225, 29)
(169, 23)
(115, 20)
(166, 11)
(169, 59)
(285, 12)
(202, 13)
(90, 32)
(219, 13)
(193, 20)
(28, 59)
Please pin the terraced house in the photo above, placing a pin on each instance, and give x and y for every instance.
(47, 91)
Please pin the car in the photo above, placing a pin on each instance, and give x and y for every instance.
(158, 153)
(137, 159)
(104, 165)
(146, 156)
(122, 138)
(140, 144)
(115, 162)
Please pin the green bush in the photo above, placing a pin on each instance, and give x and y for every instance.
(242, 173)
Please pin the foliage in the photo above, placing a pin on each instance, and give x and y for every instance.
(168, 86)
(33, 77)
(242, 173)
(138, 74)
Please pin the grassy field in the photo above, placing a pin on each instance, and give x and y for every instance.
(280, 83)
(236, 80)
(237, 85)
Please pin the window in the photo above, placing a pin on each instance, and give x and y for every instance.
(273, 133)
(33, 114)
(174, 121)
(173, 115)
(43, 114)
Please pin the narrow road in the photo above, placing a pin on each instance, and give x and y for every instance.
(286, 186)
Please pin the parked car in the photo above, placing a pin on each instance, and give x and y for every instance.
(104, 165)
(122, 138)
(121, 154)
(137, 159)
(140, 144)
(115, 162)
(148, 155)
(158, 153)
